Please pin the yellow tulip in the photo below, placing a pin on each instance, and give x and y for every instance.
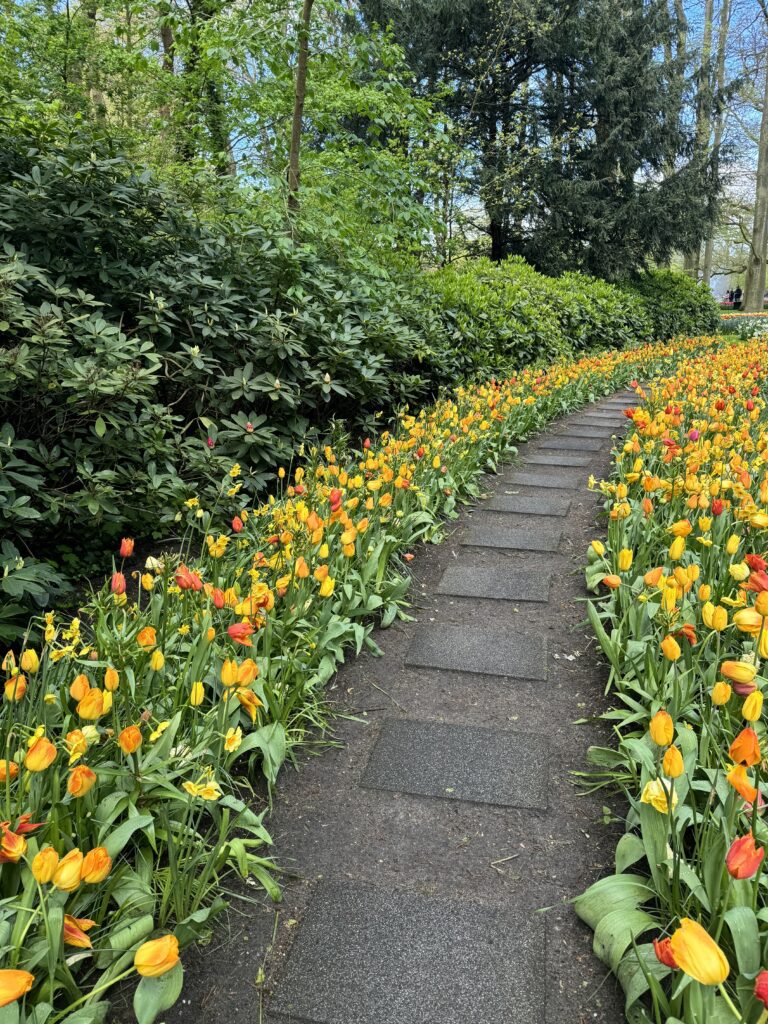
(670, 648)
(326, 587)
(655, 793)
(625, 559)
(753, 706)
(721, 693)
(156, 957)
(111, 679)
(30, 662)
(698, 955)
(157, 661)
(739, 571)
(44, 865)
(738, 671)
(662, 728)
(748, 620)
(732, 544)
(67, 875)
(672, 763)
(196, 694)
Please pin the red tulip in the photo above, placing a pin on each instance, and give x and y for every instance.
(756, 563)
(717, 507)
(237, 524)
(744, 858)
(761, 988)
(188, 580)
(118, 583)
(241, 633)
(663, 950)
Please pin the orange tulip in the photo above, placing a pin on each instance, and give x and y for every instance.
(146, 637)
(8, 769)
(111, 679)
(80, 686)
(612, 581)
(156, 957)
(81, 780)
(40, 755)
(96, 866)
(12, 846)
(130, 739)
(126, 547)
(92, 705)
(745, 749)
(698, 955)
(75, 929)
(744, 858)
(670, 648)
(14, 985)
(662, 728)
(739, 779)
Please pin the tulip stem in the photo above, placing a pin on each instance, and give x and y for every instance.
(92, 993)
(729, 1003)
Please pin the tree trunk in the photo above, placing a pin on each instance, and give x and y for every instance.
(755, 279)
(703, 108)
(300, 92)
(722, 44)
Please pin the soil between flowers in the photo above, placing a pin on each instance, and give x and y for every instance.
(327, 827)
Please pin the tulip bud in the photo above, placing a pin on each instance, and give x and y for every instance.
(753, 706)
(96, 866)
(721, 693)
(670, 648)
(30, 662)
(157, 957)
(44, 865)
(157, 661)
(129, 739)
(67, 874)
(662, 728)
(196, 694)
(111, 679)
(81, 780)
(672, 763)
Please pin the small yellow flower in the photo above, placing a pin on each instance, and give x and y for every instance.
(233, 739)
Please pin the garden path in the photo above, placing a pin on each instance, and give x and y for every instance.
(435, 848)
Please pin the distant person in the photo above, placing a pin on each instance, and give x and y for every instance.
(737, 297)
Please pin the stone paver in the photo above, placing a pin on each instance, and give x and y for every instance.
(558, 481)
(366, 955)
(514, 538)
(499, 584)
(528, 505)
(587, 431)
(459, 762)
(573, 444)
(564, 459)
(490, 650)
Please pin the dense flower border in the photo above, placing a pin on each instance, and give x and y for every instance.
(684, 629)
(129, 733)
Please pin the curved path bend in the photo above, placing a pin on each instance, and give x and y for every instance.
(434, 850)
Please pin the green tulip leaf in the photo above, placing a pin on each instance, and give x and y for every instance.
(153, 995)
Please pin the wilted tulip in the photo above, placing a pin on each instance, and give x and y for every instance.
(698, 955)
(738, 778)
(12, 845)
(249, 701)
(156, 957)
(146, 637)
(75, 929)
(744, 857)
(241, 633)
(44, 865)
(656, 793)
(96, 866)
(14, 985)
(663, 950)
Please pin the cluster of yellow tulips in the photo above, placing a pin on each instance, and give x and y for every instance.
(683, 625)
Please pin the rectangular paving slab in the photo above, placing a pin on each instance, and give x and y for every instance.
(526, 505)
(497, 584)
(574, 430)
(559, 481)
(369, 955)
(488, 650)
(515, 538)
(573, 444)
(459, 762)
(565, 459)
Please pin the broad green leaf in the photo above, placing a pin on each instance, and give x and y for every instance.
(153, 995)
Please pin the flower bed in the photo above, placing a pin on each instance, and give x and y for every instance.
(129, 734)
(684, 921)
